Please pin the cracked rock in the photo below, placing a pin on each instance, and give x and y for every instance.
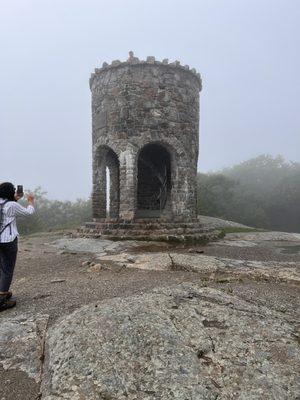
(178, 342)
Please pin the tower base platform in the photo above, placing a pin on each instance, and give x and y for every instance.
(149, 230)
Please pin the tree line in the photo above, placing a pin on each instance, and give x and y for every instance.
(53, 215)
(262, 192)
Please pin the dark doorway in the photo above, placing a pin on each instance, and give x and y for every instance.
(154, 182)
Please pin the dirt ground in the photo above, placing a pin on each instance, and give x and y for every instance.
(54, 282)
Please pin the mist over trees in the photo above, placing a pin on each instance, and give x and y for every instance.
(54, 214)
(262, 192)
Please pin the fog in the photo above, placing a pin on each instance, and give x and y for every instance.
(247, 52)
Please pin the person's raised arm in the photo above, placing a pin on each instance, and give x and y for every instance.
(20, 210)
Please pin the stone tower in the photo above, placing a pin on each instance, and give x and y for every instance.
(145, 123)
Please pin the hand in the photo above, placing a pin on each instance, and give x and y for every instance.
(18, 197)
(30, 198)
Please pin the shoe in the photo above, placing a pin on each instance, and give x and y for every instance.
(6, 294)
(5, 304)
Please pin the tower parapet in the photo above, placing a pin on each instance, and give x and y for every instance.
(132, 60)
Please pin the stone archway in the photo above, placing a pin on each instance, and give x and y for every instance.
(154, 177)
(106, 193)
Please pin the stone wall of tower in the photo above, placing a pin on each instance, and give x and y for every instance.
(135, 103)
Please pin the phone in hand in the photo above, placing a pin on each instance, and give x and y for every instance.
(20, 191)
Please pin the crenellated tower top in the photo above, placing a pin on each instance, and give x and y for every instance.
(150, 60)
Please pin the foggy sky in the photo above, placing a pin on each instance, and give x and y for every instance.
(247, 51)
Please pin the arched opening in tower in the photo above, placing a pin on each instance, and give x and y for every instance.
(154, 182)
(107, 188)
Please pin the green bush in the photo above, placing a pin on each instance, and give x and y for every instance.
(263, 192)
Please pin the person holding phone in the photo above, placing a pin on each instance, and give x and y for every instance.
(9, 211)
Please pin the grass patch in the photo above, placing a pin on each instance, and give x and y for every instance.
(236, 229)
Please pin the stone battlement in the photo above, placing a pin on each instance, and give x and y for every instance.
(150, 60)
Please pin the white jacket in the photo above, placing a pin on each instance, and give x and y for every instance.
(10, 211)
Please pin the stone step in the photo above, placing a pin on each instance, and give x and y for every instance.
(143, 220)
(179, 230)
(147, 222)
(154, 236)
(143, 232)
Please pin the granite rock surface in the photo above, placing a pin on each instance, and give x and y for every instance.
(22, 339)
(179, 342)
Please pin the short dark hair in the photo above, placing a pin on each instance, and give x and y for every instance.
(7, 191)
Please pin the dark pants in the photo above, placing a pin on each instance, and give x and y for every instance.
(8, 258)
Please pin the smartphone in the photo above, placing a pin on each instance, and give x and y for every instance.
(20, 191)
